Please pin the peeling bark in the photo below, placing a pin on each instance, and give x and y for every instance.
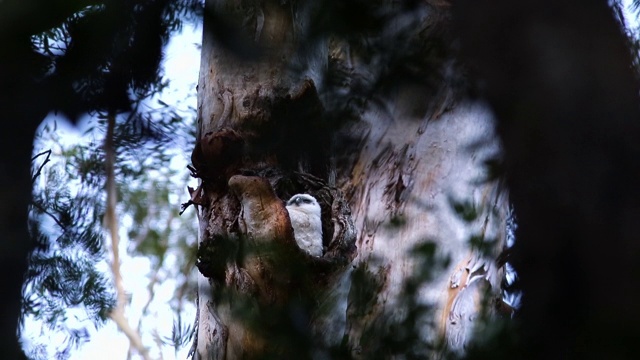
(440, 164)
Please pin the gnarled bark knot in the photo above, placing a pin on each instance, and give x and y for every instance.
(216, 156)
(260, 256)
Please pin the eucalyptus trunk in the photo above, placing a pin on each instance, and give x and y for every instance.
(412, 219)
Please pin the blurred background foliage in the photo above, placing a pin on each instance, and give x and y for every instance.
(105, 59)
(69, 271)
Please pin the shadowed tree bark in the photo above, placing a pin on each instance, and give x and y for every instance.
(559, 77)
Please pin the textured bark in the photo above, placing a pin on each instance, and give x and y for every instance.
(264, 105)
(396, 182)
(412, 170)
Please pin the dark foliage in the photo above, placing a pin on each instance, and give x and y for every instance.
(66, 228)
(95, 57)
(390, 335)
(559, 77)
(74, 57)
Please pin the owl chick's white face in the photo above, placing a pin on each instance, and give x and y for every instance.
(305, 214)
(305, 203)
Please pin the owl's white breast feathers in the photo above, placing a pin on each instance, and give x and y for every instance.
(305, 214)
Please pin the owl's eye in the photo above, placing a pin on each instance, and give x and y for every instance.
(306, 201)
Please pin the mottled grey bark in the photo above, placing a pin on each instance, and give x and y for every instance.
(405, 166)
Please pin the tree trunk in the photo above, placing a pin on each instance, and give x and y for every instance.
(423, 212)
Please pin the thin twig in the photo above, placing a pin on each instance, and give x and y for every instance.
(39, 207)
(48, 152)
(46, 160)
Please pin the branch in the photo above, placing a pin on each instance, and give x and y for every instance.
(111, 223)
(139, 239)
(117, 315)
(45, 211)
(46, 160)
(154, 280)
